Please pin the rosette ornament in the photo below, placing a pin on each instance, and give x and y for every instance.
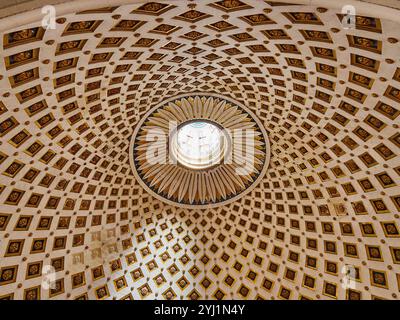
(199, 150)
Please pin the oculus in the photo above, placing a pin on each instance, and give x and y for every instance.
(199, 144)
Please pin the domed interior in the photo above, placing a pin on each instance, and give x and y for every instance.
(322, 223)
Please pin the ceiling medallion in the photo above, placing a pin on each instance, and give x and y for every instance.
(199, 150)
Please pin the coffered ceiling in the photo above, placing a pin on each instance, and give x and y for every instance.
(328, 98)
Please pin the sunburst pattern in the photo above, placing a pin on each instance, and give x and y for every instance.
(243, 164)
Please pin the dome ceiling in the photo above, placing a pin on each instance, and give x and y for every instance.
(328, 98)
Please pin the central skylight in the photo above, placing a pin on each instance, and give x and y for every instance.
(198, 144)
